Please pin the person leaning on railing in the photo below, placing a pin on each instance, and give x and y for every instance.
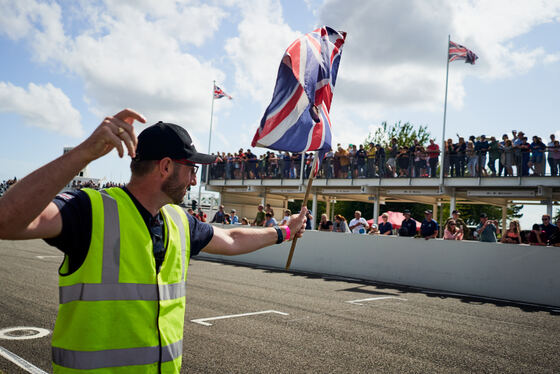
(452, 232)
(513, 233)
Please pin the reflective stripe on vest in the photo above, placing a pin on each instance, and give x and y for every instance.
(83, 360)
(110, 290)
(120, 291)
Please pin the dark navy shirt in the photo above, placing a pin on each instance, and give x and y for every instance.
(428, 228)
(408, 228)
(75, 237)
(384, 227)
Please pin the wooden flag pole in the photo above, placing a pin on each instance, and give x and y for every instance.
(303, 203)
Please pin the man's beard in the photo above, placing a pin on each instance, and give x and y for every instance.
(174, 188)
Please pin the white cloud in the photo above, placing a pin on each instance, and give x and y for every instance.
(551, 58)
(394, 55)
(44, 106)
(128, 53)
(257, 51)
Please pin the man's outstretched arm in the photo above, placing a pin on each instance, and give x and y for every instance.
(243, 240)
(27, 208)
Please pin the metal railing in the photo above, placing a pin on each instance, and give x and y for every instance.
(501, 163)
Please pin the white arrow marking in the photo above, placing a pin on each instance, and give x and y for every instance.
(25, 365)
(358, 302)
(202, 322)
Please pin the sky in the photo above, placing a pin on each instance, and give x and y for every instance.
(68, 64)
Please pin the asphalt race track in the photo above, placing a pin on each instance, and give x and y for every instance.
(314, 324)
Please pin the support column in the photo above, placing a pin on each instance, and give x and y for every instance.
(435, 212)
(328, 207)
(452, 202)
(504, 219)
(549, 208)
(263, 197)
(376, 206)
(314, 209)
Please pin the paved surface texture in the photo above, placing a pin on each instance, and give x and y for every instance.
(398, 331)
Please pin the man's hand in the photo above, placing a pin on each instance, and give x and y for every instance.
(112, 133)
(297, 224)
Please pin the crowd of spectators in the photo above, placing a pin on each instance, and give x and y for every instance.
(454, 227)
(7, 184)
(79, 184)
(477, 156)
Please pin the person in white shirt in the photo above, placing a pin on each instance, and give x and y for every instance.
(286, 219)
(358, 225)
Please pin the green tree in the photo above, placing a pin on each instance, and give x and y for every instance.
(405, 133)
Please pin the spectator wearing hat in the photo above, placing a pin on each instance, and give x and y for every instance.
(429, 228)
(408, 225)
(385, 227)
(455, 216)
(486, 229)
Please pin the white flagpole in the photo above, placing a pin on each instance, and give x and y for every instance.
(209, 143)
(444, 118)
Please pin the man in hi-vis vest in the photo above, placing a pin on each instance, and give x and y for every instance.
(122, 282)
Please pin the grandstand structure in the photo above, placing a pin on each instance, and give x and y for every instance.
(245, 194)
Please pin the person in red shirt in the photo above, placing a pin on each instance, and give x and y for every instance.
(433, 155)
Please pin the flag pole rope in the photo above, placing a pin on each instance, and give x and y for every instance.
(303, 203)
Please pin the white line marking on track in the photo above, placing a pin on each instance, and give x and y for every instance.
(43, 257)
(358, 302)
(23, 333)
(202, 322)
(25, 365)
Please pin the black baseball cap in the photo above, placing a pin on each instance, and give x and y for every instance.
(483, 215)
(428, 212)
(169, 140)
(406, 211)
(456, 212)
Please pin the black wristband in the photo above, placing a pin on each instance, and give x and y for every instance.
(280, 234)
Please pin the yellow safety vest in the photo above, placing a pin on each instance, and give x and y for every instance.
(116, 314)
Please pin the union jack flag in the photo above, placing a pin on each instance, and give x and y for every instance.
(219, 93)
(458, 52)
(297, 119)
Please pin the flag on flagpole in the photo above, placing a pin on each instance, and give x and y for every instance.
(458, 52)
(219, 93)
(297, 119)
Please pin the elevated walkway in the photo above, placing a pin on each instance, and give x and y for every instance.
(245, 194)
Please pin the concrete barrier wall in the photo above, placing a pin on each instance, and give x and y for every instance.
(505, 271)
